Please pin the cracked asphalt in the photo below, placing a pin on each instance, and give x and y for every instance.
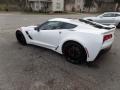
(35, 68)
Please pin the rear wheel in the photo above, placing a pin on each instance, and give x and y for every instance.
(20, 37)
(74, 53)
(118, 26)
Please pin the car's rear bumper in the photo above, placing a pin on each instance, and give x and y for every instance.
(106, 45)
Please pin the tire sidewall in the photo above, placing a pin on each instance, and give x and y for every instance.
(20, 37)
(82, 57)
(118, 26)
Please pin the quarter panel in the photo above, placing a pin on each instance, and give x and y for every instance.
(23, 30)
(91, 42)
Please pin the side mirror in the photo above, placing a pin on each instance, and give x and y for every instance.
(100, 16)
(36, 28)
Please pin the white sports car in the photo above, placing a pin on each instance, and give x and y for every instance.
(78, 40)
(108, 18)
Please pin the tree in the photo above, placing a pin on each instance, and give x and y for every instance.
(117, 6)
(99, 2)
(89, 4)
(22, 3)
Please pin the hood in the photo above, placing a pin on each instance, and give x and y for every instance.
(32, 26)
(28, 27)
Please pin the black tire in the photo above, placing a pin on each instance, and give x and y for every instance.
(20, 37)
(74, 53)
(118, 26)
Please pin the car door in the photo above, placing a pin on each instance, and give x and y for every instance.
(117, 21)
(107, 19)
(48, 35)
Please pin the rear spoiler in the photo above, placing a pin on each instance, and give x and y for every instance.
(98, 25)
(112, 26)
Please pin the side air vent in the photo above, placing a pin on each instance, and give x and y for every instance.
(28, 35)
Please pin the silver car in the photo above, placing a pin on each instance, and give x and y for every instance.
(108, 18)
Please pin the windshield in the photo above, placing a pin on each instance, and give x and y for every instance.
(94, 24)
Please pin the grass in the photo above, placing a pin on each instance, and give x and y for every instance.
(3, 7)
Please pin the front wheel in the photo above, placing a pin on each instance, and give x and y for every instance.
(20, 37)
(74, 53)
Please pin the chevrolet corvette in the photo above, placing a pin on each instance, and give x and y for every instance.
(77, 39)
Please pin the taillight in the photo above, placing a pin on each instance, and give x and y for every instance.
(107, 37)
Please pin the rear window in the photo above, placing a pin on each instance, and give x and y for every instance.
(67, 25)
(109, 15)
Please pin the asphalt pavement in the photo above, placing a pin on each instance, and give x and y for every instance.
(35, 68)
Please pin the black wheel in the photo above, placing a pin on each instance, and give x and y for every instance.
(74, 53)
(20, 37)
(118, 26)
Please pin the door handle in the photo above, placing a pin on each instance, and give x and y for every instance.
(113, 18)
(60, 32)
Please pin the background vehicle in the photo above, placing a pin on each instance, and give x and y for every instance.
(78, 40)
(108, 18)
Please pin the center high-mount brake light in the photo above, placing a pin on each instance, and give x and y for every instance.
(107, 37)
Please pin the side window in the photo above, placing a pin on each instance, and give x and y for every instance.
(67, 26)
(109, 15)
(117, 15)
(50, 25)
